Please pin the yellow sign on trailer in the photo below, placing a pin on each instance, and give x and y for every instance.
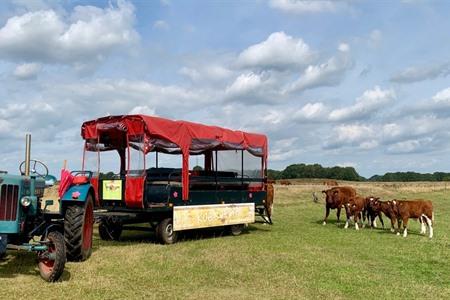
(202, 216)
(112, 189)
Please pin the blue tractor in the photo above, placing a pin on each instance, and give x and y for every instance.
(27, 224)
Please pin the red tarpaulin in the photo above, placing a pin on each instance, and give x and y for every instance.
(178, 137)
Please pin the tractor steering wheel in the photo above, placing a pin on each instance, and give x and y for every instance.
(36, 167)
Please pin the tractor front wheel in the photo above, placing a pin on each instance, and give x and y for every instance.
(165, 232)
(78, 229)
(51, 262)
(109, 229)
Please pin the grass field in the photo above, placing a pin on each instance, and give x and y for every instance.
(296, 258)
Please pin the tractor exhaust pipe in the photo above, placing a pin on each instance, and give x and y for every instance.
(27, 154)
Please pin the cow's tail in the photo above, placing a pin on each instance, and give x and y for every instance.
(432, 218)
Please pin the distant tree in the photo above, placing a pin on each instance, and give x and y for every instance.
(197, 168)
(273, 174)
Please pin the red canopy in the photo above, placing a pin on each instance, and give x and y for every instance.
(178, 137)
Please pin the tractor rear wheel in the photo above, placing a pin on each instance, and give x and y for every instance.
(51, 262)
(165, 233)
(109, 229)
(78, 229)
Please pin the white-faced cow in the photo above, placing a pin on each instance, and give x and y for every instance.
(336, 198)
(355, 208)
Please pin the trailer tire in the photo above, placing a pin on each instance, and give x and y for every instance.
(51, 270)
(78, 229)
(165, 233)
(109, 230)
(237, 229)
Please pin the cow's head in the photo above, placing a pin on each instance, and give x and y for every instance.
(374, 203)
(350, 206)
(331, 195)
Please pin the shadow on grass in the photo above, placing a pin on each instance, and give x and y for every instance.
(17, 263)
(149, 237)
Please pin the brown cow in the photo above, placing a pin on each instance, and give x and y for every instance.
(416, 209)
(285, 182)
(268, 204)
(386, 207)
(330, 183)
(336, 198)
(372, 214)
(356, 208)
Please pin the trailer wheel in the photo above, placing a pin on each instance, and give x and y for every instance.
(109, 230)
(78, 228)
(165, 233)
(51, 262)
(236, 230)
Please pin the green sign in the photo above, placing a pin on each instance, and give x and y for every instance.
(112, 189)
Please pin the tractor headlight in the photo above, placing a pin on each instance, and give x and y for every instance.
(25, 201)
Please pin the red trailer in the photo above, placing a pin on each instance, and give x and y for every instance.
(227, 189)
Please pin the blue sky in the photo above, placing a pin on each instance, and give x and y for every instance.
(351, 83)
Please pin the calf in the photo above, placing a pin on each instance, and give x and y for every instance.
(355, 208)
(386, 207)
(371, 214)
(416, 209)
(336, 198)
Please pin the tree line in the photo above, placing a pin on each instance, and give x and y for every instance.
(350, 174)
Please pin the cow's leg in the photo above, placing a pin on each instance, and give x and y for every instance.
(363, 218)
(327, 213)
(338, 215)
(356, 218)
(423, 228)
(405, 227)
(381, 220)
(430, 225)
(347, 222)
(393, 225)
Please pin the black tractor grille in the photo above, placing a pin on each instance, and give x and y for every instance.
(8, 202)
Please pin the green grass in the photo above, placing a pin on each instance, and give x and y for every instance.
(296, 258)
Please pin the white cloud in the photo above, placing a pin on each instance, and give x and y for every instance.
(279, 51)
(344, 47)
(161, 24)
(245, 83)
(370, 102)
(359, 135)
(206, 73)
(442, 96)
(306, 6)
(27, 71)
(142, 110)
(421, 73)
(311, 111)
(330, 73)
(410, 146)
(88, 34)
(251, 87)
(375, 38)
(347, 164)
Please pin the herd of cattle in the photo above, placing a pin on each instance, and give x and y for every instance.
(359, 208)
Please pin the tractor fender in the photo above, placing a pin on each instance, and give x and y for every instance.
(76, 194)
